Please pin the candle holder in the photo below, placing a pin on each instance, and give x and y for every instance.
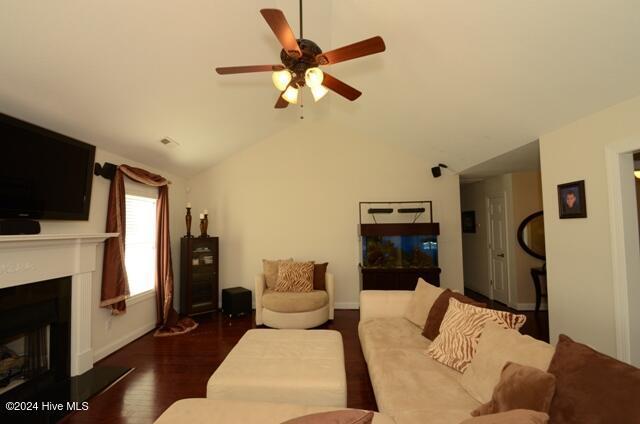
(187, 220)
(204, 224)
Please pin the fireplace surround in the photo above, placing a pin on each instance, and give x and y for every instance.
(28, 259)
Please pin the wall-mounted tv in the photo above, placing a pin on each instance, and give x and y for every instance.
(43, 174)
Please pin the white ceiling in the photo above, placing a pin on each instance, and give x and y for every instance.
(523, 158)
(461, 81)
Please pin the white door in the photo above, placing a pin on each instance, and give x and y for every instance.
(498, 270)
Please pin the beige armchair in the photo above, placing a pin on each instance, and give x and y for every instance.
(294, 310)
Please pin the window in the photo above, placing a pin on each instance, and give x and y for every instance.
(140, 240)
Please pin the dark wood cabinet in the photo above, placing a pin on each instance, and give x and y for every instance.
(397, 278)
(198, 275)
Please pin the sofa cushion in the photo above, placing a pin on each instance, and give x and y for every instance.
(345, 416)
(439, 308)
(215, 411)
(496, 347)
(460, 330)
(406, 380)
(424, 296)
(270, 271)
(515, 416)
(289, 302)
(520, 387)
(295, 277)
(389, 333)
(592, 387)
(319, 276)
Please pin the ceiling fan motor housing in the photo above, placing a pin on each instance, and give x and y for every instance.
(300, 65)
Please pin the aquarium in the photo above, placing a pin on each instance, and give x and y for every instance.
(413, 251)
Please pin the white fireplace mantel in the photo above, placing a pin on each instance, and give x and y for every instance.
(28, 259)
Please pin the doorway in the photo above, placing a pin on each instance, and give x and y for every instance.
(497, 249)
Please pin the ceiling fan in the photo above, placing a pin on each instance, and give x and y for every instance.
(301, 59)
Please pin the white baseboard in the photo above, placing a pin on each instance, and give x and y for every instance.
(107, 350)
(347, 305)
(530, 306)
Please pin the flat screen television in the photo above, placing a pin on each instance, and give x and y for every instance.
(43, 174)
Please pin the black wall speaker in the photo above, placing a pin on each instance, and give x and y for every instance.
(13, 227)
(436, 171)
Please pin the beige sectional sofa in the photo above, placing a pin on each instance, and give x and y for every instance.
(409, 386)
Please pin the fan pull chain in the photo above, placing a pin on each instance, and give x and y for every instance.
(301, 109)
(301, 19)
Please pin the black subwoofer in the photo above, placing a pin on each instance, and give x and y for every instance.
(236, 301)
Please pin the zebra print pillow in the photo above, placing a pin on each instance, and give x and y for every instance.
(295, 277)
(460, 331)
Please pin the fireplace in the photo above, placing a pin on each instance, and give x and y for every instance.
(35, 328)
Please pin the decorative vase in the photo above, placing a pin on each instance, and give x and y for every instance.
(187, 220)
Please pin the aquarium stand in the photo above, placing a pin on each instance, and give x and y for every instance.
(397, 278)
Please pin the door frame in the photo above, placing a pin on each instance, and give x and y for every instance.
(625, 242)
(507, 235)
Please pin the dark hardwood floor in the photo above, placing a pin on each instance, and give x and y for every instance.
(171, 368)
(537, 324)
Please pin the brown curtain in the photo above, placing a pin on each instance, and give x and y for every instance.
(115, 286)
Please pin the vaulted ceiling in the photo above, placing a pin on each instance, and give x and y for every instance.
(461, 81)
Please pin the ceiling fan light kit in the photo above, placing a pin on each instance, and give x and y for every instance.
(281, 79)
(291, 95)
(301, 59)
(318, 92)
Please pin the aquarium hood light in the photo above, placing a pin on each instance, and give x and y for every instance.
(371, 211)
(411, 210)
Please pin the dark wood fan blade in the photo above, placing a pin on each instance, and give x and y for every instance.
(251, 68)
(352, 51)
(341, 88)
(280, 27)
(281, 103)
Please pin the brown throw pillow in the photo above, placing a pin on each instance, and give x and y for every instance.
(439, 308)
(592, 387)
(520, 387)
(515, 416)
(347, 416)
(319, 271)
(270, 271)
(295, 277)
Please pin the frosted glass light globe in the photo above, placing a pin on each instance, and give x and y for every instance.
(318, 92)
(281, 79)
(291, 95)
(313, 77)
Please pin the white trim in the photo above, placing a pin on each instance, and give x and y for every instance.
(107, 350)
(347, 305)
(620, 243)
(141, 297)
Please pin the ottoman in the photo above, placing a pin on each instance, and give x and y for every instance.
(211, 411)
(303, 367)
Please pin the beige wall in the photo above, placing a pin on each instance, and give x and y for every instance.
(579, 257)
(109, 333)
(297, 193)
(523, 197)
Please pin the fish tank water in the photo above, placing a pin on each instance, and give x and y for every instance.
(414, 251)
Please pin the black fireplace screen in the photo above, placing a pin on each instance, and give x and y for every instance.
(23, 357)
(34, 337)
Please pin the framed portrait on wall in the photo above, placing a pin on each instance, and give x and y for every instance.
(469, 222)
(572, 200)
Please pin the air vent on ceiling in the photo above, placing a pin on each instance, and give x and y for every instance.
(170, 143)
